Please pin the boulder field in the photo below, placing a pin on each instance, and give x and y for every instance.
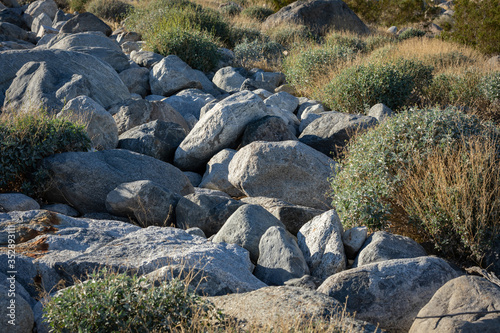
(224, 174)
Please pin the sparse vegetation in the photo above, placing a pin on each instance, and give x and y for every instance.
(112, 10)
(27, 138)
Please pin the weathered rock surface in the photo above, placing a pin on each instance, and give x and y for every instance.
(216, 174)
(391, 292)
(332, 131)
(320, 16)
(268, 128)
(158, 139)
(17, 202)
(273, 306)
(189, 101)
(218, 129)
(207, 212)
(228, 79)
(354, 239)
(15, 313)
(172, 75)
(85, 22)
(83, 180)
(280, 258)
(380, 112)
(321, 242)
(145, 58)
(53, 77)
(382, 246)
(292, 216)
(144, 201)
(472, 297)
(147, 250)
(136, 80)
(287, 170)
(100, 125)
(245, 228)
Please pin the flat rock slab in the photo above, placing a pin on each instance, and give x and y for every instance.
(83, 180)
(391, 292)
(147, 250)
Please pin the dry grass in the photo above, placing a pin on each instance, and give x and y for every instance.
(455, 196)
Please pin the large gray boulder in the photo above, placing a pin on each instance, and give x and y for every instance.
(144, 201)
(150, 249)
(83, 180)
(93, 43)
(320, 16)
(245, 228)
(145, 58)
(136, 80)
(280, 258)
(391, 292)
(36, 8)
(218, 129)
(99, 124)
(382, 246)
(270, 307)
(158, 139)
(207, 212)
(53, 77)
(321, 242)
(331, 132)
(476, 300)
(12, 32)
(17, 202)
(189, 101)
(85, 22)
(287, 170)
(292, 216)
(172, 75)
(228, 79)
(216, 174)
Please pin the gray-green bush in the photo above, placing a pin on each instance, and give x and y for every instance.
(365, 190)
(396, 85)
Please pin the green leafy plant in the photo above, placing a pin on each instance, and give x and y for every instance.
(490, 87)
(394, 84)
(78, 5)
(346, 41)
(113, 302)
(188, 24)
(303, 67)
(113, 10)
(366, 187)
(476, 24)
(27, 138)
(257, 12)
(290, 34)
(411, 33)
(248, 53)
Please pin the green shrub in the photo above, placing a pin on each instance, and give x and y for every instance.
(230, 9)
(78, 5)
(26, 140)
(111, 302)
(247, 53)
(197, 48)
(158, 15)
(257, 13)
(278, 4)
(393, 12)
(302, 68)
(290, 34)
(113, 10)
(476, 24)
(345, 41)
(411, 33)
(367, 185)
(449, 59)
(394, 84)
(240, 35)
(490, 87)
(453, 197)
(377, 41)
